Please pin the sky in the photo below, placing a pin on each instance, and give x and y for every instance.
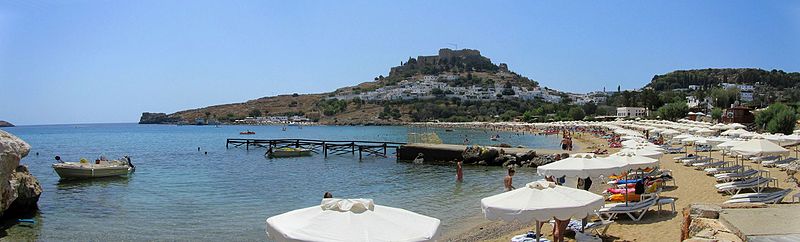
(109, 61)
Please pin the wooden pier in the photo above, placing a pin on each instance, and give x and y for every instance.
(333, 147)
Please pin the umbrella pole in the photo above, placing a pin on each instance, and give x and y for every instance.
(538, 230)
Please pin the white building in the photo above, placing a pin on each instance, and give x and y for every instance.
(693, 102)
(632, 112)
(746, 96)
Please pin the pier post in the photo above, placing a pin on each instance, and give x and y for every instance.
(384, 150)
(353, 147)
(297, 143)
(325, 149)
(359, 152)
(247, 144)
(227, 141)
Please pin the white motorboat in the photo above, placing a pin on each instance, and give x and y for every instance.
(101, 168)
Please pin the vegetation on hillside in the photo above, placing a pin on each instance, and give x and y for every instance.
(777, 118)
(713, 77)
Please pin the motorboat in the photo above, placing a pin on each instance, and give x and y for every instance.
(100, 168)
(495, 137)
(247, 132)
(288, 152)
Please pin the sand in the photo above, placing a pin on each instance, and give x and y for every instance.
(693, 186)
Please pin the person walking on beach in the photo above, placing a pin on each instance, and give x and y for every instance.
(508, 180)
(459, 172)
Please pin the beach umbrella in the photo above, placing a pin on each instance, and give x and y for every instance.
(352, 220)
(759, 147)
(540, 201)
(633, 160)
(705, 131)
(736, 126)
(581, 167)
(644, 152)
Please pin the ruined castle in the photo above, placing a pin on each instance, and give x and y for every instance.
(443, 56)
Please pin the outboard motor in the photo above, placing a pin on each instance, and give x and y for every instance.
(133, 168)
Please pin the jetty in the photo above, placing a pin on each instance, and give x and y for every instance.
(326, 147)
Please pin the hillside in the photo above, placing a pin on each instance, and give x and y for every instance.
(5, 124)
(712, 77)
(462, 68)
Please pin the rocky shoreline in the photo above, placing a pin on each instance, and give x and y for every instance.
(19, 190)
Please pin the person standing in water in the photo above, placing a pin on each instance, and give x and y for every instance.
(508, 180)
(459, 172)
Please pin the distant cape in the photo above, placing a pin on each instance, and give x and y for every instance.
(5, 124)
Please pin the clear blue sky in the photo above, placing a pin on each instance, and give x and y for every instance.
(108, 61)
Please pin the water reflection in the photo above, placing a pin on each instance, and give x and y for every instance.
(103, 182)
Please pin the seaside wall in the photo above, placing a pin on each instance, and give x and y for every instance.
(19, 190)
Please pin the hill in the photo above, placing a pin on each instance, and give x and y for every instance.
(5, 124)
(713, 77)
(452, 69)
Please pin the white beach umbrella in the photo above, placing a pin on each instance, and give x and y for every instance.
(759, 147)
(352, 220)
(670, 132)
(654, 154)
(705, 131)
(541, 201)
(633, 160)
(736, 126)
(581, 167)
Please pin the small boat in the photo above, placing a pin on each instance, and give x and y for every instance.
(100, 168)
(247, 132)
(495, 137)
(448, 130)
(288, 152)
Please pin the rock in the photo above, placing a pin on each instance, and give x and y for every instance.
(5, 124)
(19, 190)
(489, 155)
(704, 211)
(158, 118)
(526, 156)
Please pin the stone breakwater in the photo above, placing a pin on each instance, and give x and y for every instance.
(19, 190)
(477, 155)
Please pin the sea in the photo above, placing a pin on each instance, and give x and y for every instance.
(220, 194)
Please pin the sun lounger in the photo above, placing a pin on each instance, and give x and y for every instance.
(691, 162)
(736, 176)
(757, 184)
(776, 162)
(685, 158)
(611, 211)
(772, 197)
(703, 165)
(673, 150)
(719, 170)
(764, 158)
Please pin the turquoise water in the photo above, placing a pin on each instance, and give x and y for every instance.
(178, 193)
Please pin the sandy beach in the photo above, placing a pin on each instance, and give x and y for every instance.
(693, 186)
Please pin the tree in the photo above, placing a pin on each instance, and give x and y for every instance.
(589, 108)
(777, 118)
(255, 113)
(724, 97)
(576, 113)
(716, 114)
(673, 111)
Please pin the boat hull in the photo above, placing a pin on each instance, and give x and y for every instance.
(283, 153)
(91, 172)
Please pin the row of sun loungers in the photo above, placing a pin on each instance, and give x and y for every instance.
(634, 210)
(724, 169)
(776, 162)
(726, 177)
(772, 197)
(757, 184)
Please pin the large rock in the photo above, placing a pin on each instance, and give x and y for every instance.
(19, 190)
(158, 118)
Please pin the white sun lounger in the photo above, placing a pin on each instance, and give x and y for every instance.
(611, 211)
(776, 162)
(735, 176)
(691, 162)
(700, 166)
(757, 184)
(718, 170)
(772, 197)
(764, 159)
